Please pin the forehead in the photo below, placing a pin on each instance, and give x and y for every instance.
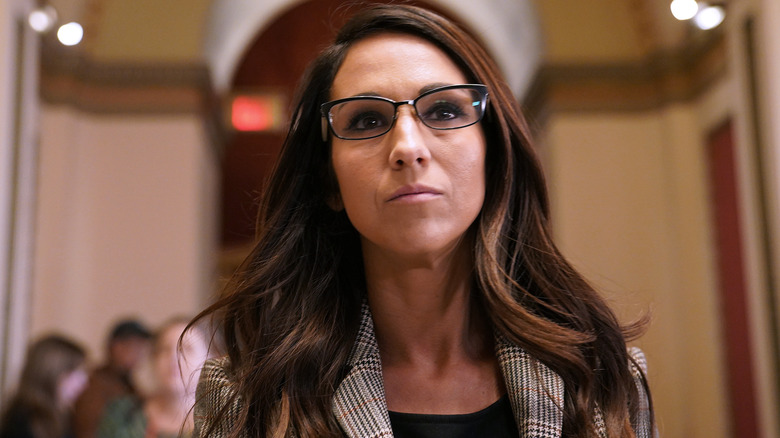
(393, 65)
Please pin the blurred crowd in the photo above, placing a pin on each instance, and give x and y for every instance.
(144, 389)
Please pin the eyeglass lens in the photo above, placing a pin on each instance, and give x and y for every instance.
(368, 117)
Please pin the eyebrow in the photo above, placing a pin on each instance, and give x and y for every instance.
(422, 90)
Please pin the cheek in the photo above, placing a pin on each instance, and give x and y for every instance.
(467, 167)
(72, 386)
(470, 167)
(473, 191)
(469, 179)
(354, 177)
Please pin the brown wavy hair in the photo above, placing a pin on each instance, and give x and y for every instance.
(290, 314)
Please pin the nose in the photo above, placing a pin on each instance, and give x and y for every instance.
(407, 141)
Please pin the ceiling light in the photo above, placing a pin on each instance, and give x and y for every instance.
(709, 17)
(42, 19)
(70, 34)
(684, 9)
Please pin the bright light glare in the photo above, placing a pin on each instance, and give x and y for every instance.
(70, 34)
(684, 9)
(709, 17)
(42, 19)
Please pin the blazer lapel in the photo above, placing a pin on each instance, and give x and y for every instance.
(535, 391)
(359, 402)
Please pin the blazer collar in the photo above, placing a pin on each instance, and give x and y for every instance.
(535, 391)
(360, 406)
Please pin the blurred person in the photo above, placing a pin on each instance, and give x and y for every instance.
(53, 376)
(127, 347)
(167, 411)
(176, 368)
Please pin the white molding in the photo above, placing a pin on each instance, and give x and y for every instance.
(18, 163)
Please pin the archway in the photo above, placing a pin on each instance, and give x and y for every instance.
(272, 59)
(510, 30)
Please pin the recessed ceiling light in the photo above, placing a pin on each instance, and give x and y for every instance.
(709, 17)
(70, 34)
(42, 19)
(684, 9)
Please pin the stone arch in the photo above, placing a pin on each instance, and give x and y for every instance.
(510, 30)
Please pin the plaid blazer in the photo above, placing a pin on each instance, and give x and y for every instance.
(535, 392)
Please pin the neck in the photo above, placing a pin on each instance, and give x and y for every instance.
(177, 398)
(424, 313)
(169, 410)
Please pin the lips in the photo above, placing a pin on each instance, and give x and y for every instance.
(413, 191)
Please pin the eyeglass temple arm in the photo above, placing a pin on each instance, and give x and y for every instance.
(324, 129)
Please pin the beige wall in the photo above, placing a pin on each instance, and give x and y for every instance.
(126, 221)
(631, 209)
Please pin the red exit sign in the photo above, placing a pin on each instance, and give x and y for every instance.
(258, 112)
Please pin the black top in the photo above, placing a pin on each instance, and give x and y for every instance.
(495, 421)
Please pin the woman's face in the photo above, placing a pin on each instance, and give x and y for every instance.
(176, 369)
(71, 385)
(413, 191)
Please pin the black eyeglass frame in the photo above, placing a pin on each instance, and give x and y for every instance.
(327, 122)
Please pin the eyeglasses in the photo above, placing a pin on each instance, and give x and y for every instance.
(364, 117)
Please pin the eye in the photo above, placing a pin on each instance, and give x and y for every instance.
(367, 121)
(442, 111)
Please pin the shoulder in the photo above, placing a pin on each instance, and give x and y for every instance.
(218, 404)
(122, 417)
(643, 422)
(107, 383)
(104, 374)
(638, 360)
(217, 383)
(216, 373)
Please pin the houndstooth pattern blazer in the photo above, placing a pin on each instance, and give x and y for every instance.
(535, 392)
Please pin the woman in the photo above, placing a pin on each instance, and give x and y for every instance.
(53, 376)
(405, 282)
(176, 367)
